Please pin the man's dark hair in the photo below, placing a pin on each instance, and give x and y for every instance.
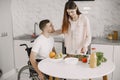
(43, 23)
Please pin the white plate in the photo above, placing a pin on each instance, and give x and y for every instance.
(71, 60)
(55, 60)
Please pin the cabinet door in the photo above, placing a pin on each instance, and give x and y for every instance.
(106, 49)
(21, 57)
(116, 73)
(108, 53)
(58, 47)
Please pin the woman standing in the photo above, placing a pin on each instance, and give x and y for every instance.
(76, 29)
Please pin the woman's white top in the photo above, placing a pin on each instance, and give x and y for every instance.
(43, 46)
(78, 35)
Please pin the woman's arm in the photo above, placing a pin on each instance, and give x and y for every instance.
(56, 32)
(88, 33)
(87, 36)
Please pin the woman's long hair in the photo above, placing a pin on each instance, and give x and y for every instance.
(68, 5)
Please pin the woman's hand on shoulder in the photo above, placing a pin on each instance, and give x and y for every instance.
(56, 32)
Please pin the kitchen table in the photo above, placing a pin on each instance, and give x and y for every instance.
(75, 71)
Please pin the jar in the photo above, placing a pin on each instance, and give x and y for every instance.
(115, 35)
(110, 36)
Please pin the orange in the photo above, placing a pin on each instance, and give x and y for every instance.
(52, 54)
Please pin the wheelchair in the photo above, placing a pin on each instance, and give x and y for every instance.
(27, 72)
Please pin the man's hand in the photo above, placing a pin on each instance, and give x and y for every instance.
(41, 76)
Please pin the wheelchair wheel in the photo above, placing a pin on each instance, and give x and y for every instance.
(25, 74)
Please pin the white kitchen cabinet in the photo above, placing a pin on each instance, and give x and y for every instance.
(108, 53)
(116, 73)
(58, 47)
(21, 57)
(106, 49)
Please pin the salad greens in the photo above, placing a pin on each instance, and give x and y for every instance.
(100, 58)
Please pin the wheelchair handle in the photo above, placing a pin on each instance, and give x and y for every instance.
(24, 45)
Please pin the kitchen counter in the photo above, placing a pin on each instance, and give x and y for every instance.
(104, 41)
(28, 37)
(25, 37)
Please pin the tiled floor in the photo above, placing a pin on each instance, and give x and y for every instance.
(13, 77)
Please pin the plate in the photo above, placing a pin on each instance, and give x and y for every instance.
(71, 60)
(55, 60)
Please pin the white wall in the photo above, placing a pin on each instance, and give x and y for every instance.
(26, 12)
(6, 42)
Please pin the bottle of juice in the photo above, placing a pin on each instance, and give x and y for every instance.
(93, 58)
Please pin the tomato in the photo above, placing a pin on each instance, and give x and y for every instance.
(84, 60)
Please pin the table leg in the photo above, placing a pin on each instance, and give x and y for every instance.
(105, 77)
(50, 78)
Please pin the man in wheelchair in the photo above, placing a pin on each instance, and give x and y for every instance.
(42, 46)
